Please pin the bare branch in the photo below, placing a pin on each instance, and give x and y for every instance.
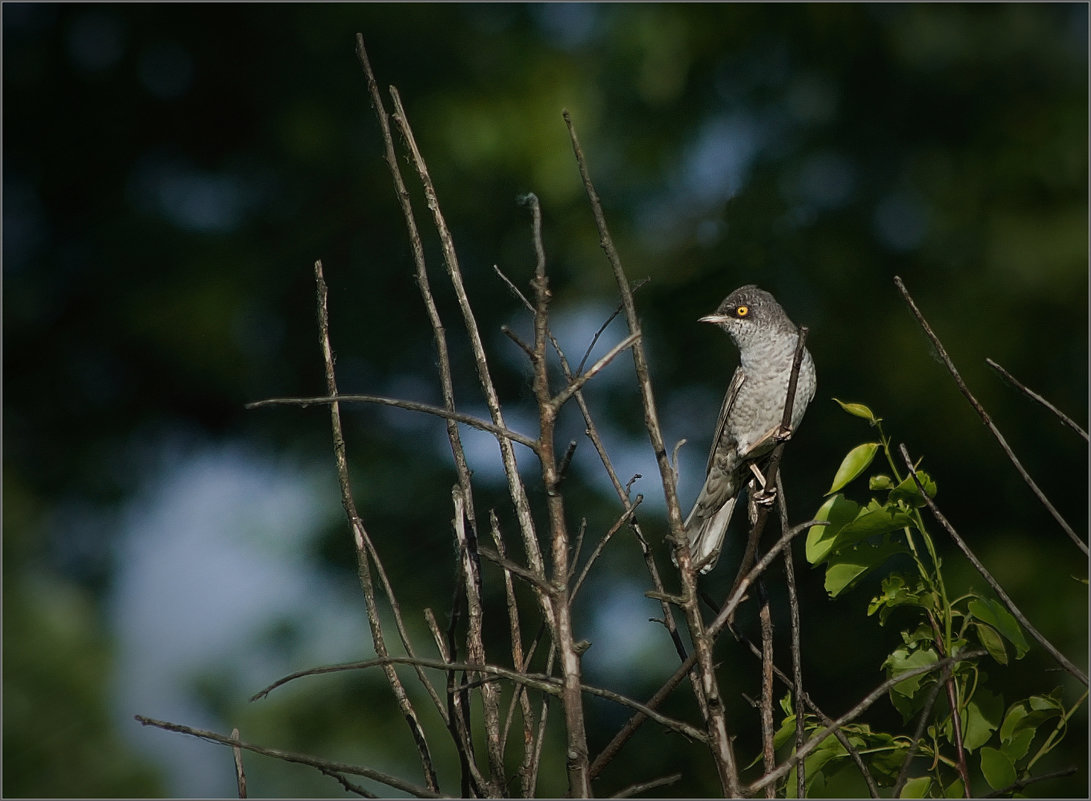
(985, 416)
(1064, 418)
(643, 787)
(854, 713)
(1019, 784)
(240, 772)
(577, 384)
(534, 681)
(475, 644)
(602, 328)
(706, 690)
(634, 723)
(808, 702)
(291, 756)
(458, 417)
(626, 516)
(532, 578)
(651, 418)
(992, 582)
(798, 693)
(547, 684)
(361, 538)
(438, 333)
(521, 662)
(576, 761)
(918, 734)
(765, 616)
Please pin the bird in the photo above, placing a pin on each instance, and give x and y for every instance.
(748, 427)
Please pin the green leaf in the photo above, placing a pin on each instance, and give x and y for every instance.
(855, 462)
(839, 511)
(908, 491)
(980, 719)
(786, 705)
(880, 482)
(994, 613)
(993, 642)
(893, 593)
(1017, 746)
(896, 592)
(784, 734)
(1028, 715)
(828, 749)
(998, 770)
(916, 788)
(858, 410)
(902, 660)
(872, 521)
(848, 565)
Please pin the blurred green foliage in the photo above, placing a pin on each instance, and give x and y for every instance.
(172, 171)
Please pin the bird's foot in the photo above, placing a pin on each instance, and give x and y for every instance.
(763, 494)
(782, 434)
(765, 443)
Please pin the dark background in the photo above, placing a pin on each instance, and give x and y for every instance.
(171, 172)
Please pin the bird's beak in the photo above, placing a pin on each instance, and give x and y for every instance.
(714, 318)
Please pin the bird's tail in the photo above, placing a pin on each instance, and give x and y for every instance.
(706, 536)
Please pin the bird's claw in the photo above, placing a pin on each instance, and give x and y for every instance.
(763, 495)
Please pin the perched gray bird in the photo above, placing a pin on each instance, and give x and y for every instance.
(752, 410)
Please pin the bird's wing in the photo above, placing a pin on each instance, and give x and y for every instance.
(725, 410)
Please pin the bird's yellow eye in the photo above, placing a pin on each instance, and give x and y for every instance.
(742, 311)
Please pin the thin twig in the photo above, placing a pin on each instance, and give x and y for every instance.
(854, 713)
(360, 536)
(450, 259)
(1019, 784)
(455, 724)
(956, 712)
(801, 734)
(626, 516)
(399, 623)
(596, 440)
(623, 495)
(541, 583)
(918, 734)
(534, 681)
(643, 787)
(634, 723)
(523, 346)
(453, 711)
(602, 328)
(577, 383)
(240, 771)
(421, 275)
(475, 644)
(651, 417)
(520, 662)
(474, 422)
(765, 616)
(796, 650)
(576, 761)
(349, 787)
(985, 417)
(290, 756)
(1064, 418)
(992, 582)
(707, 689)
